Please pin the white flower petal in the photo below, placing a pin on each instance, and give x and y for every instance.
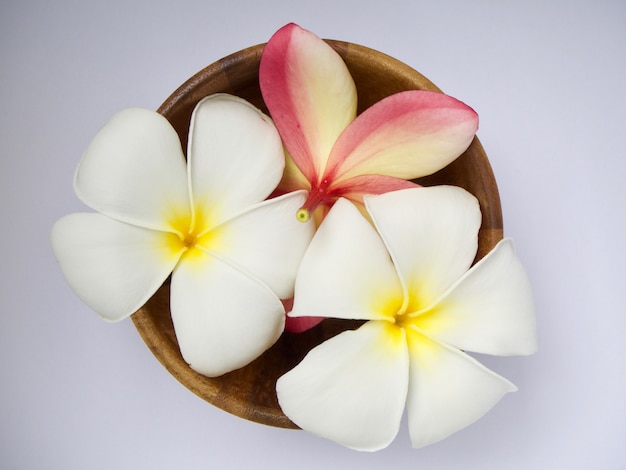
(490, 310)
(448, 390)
(236, 157)
(223, 318)
(351, 388)
(134, 171)
(432, 235)
(266, 241)
(112, 266)
(346, 271)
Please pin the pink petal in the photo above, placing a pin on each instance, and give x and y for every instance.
(298, 324)
(293, 179)
(301, 324)
(310, 95)
(406, 135)
(357, 187)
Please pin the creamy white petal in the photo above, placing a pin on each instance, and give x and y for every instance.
(223, 318)
(346, 272)
(432, 235)
(134, 170)
(266, 241)
(490, 310)
(351, 388)
(236, 157)
(112, 266)
(448, 390)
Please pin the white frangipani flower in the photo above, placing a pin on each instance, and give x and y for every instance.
(410, 278)
(231, 253)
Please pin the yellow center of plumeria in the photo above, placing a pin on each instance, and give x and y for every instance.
(190, 232)
(400, 314)
(404, 320)
(188, 239)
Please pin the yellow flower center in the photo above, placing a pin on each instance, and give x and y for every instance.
(188, 239)
(189, 233)
(406, 321)
(398, 312)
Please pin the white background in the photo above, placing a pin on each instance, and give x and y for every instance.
(548, 81)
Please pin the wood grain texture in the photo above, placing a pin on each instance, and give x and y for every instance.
(250, 392)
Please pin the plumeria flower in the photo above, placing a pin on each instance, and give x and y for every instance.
(312, 99)
(231, 253)
(410, 279)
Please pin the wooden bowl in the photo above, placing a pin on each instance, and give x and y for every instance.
(250, 392)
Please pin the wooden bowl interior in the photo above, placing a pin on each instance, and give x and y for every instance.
(250, 391)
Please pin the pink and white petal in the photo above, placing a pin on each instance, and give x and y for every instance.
(309, 93)
(223, 318)
(112, 266)
(406, 135)
(351, 388)
(235, 156)
(355, 188)
(432, 235)
(448, 390)
(489, 310)
(346, 272)
(134, 170)
(266, 241)
(293, 179)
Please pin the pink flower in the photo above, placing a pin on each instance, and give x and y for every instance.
(333, 153)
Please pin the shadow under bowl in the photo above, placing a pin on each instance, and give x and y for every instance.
(249, 392)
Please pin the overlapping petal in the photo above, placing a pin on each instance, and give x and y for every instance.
(112, 266)
(134, 170)
(352, 388)
(489, 310)
(346, 272)
(406, 135)
(273, 250)
(222, 317)
(309, 93)
(448, 389)
(431, 234)
(235, 155)
(357, 187)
